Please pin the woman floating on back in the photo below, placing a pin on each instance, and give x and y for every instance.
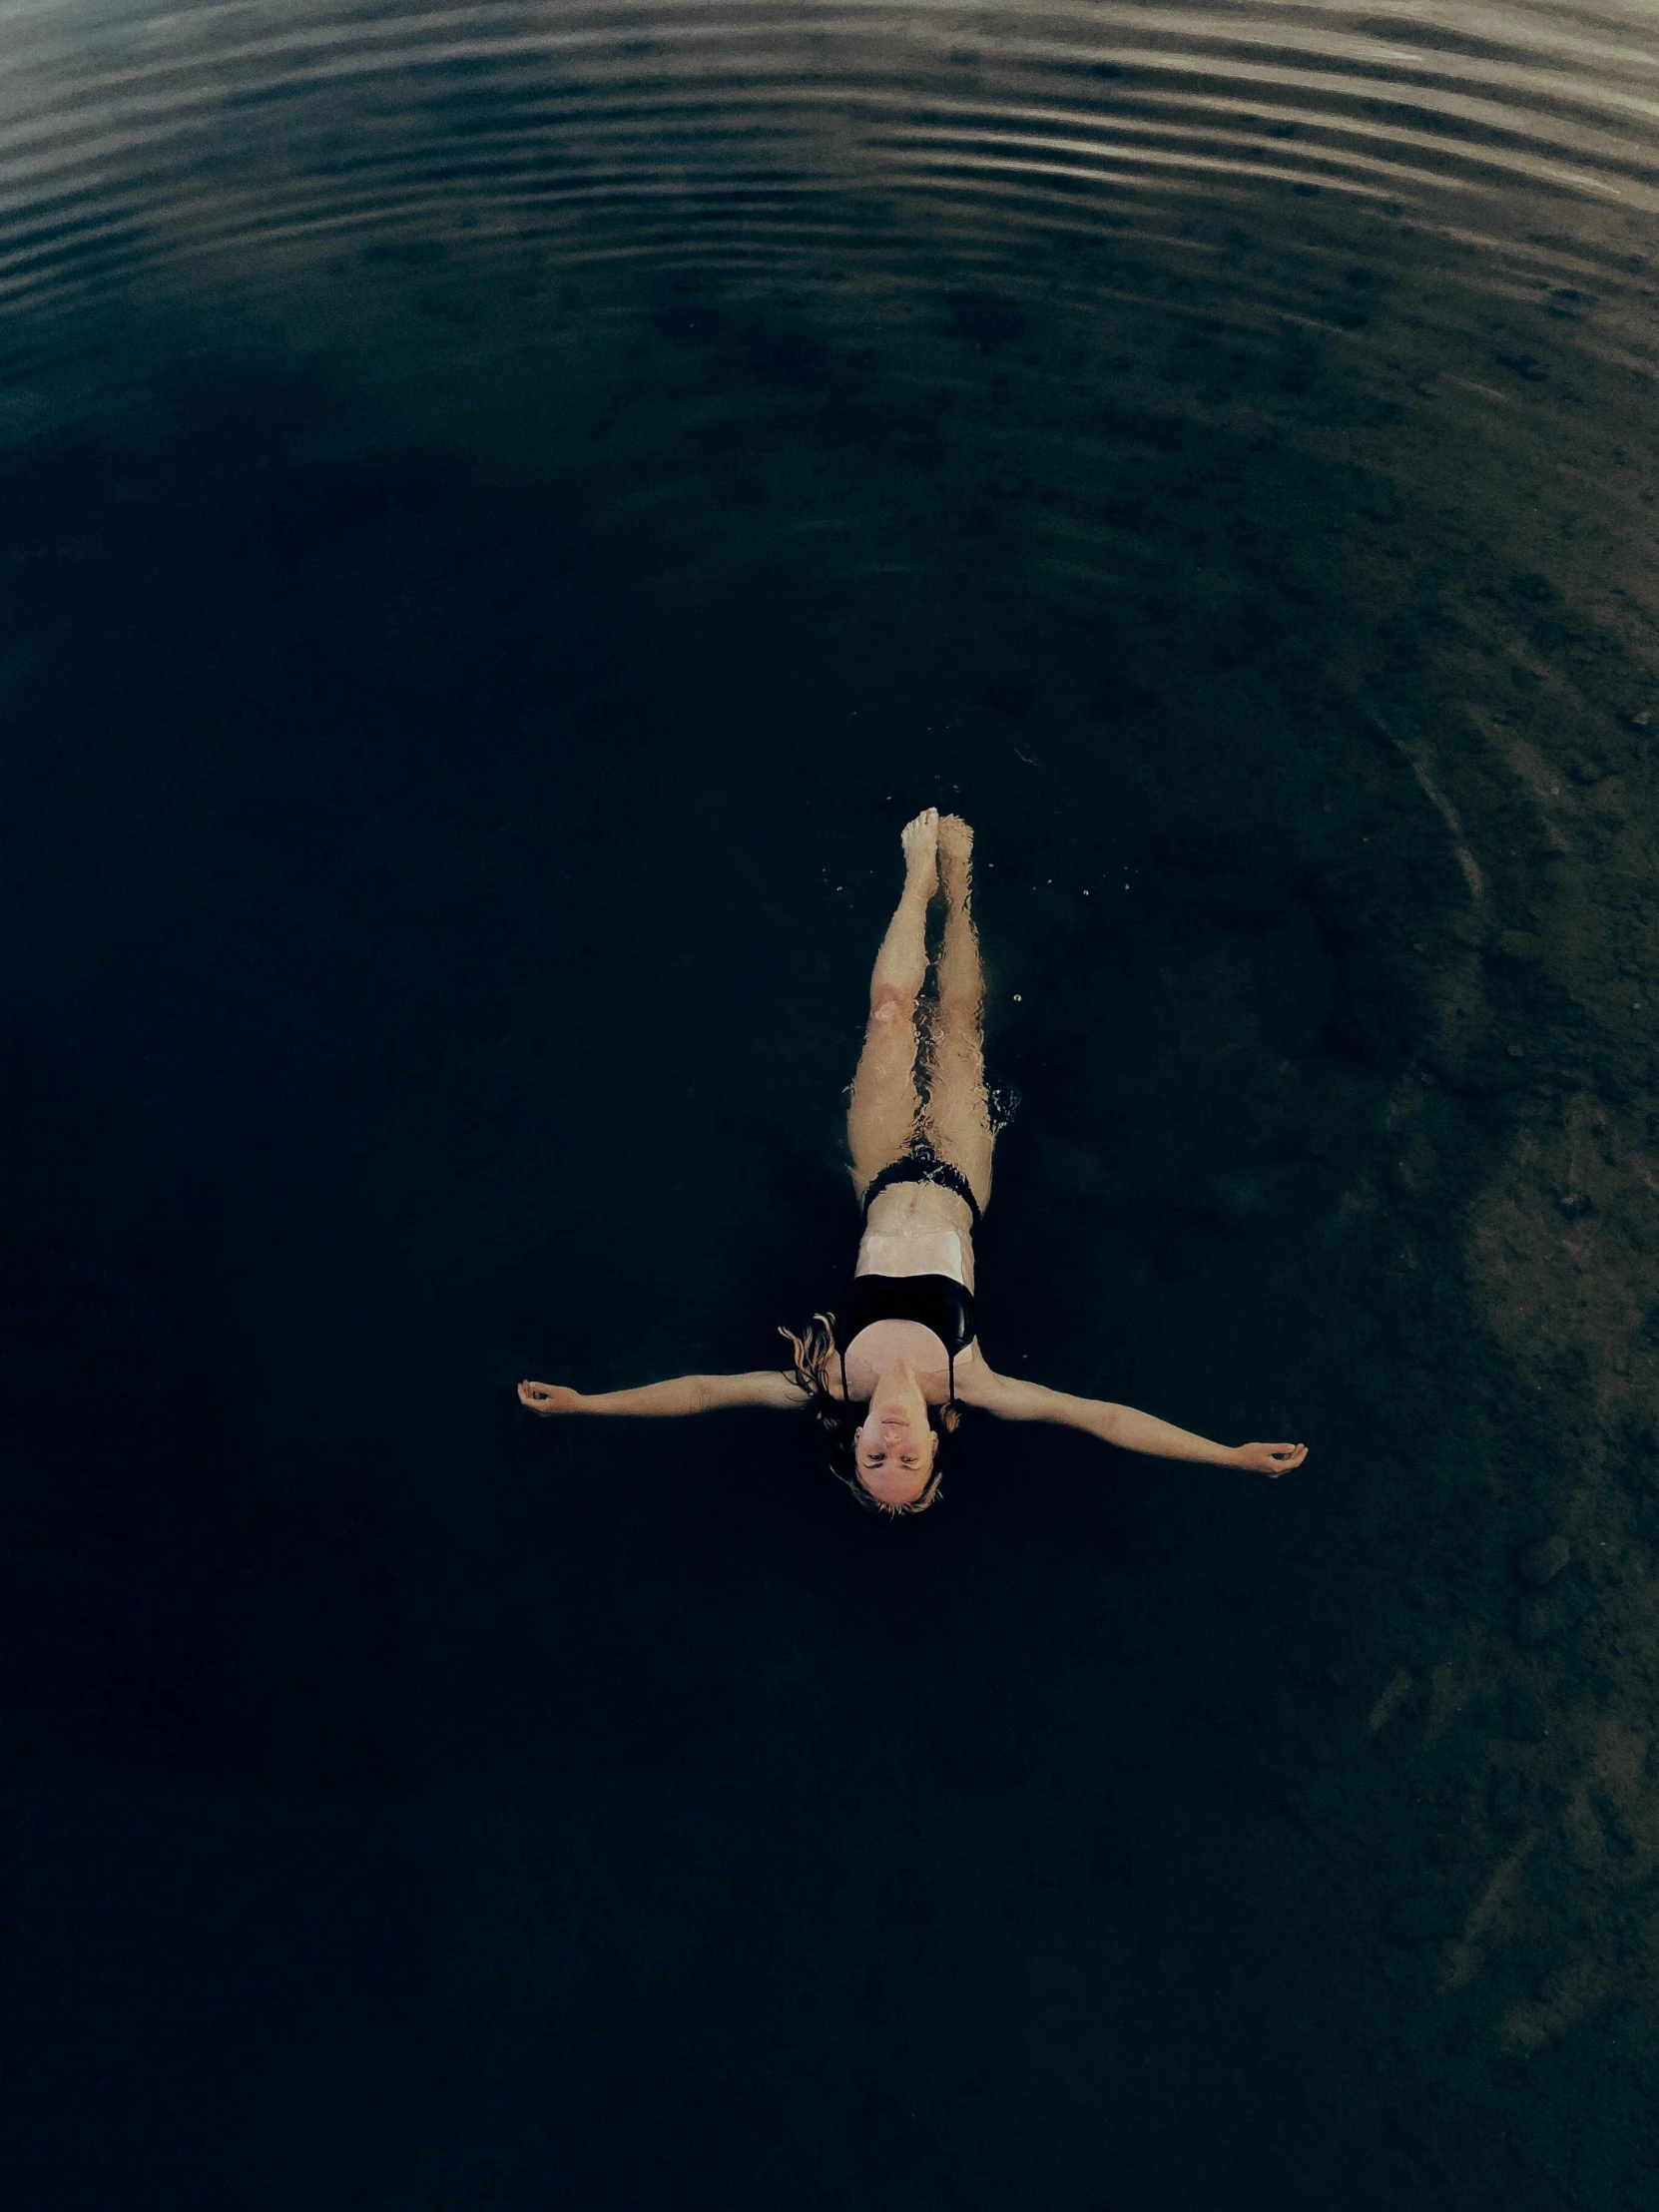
(892, 1374)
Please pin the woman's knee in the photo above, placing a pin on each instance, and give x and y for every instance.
(890, 1006)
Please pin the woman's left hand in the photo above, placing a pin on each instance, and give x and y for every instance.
(549, 1398)
(1270, 1460)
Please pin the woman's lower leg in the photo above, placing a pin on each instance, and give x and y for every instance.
(901, 964)
(957, 1110)
(885, 1101)
(962, 978)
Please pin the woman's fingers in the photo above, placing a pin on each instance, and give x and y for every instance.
(1276, 1459)
(549, 1398)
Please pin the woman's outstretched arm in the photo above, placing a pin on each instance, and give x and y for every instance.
(1122, 1425)
(683, 1394)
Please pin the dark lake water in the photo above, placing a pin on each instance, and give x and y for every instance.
(504, 511)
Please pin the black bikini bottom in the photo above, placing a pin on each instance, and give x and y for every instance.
(921, 1164)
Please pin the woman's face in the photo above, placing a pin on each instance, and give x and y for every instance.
(894, 1447)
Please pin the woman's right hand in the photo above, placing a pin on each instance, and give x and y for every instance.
(549, 1398)
(1270, 1460)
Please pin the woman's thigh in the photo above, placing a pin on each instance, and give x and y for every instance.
(956, 1117)
(882, 1112)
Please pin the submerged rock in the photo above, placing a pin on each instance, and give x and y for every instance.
(1391, 1701)
(1540, 1564)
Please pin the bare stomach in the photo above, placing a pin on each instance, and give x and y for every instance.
(914, 1228)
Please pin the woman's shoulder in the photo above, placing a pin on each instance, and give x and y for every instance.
(977, 1383)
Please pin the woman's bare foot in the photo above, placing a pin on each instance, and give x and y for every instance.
(920, 839)
(955, 854)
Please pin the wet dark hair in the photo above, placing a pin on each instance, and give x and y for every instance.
(814, 1350)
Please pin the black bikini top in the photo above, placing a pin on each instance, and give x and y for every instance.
(939, 1302)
